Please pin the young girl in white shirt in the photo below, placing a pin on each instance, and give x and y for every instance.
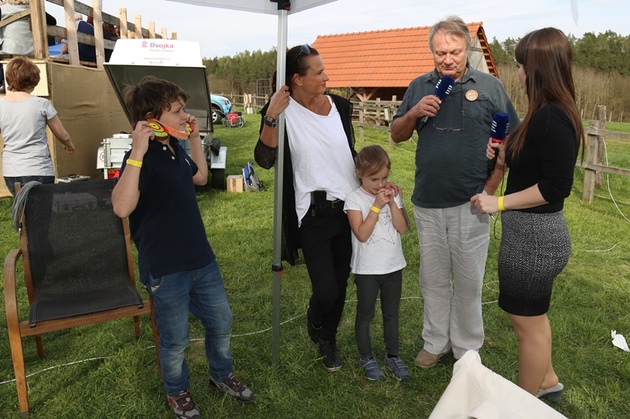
(377, 218)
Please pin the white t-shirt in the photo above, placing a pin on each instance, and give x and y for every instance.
(382, 252)
(320, 154)
(23, 130)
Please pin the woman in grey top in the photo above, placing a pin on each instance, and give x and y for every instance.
(23, 122)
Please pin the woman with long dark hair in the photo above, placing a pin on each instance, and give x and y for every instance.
(535, 244)
(318, 175)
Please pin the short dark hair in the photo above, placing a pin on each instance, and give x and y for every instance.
(22, 75)
(152, 95)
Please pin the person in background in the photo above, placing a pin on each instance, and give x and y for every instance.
(51, 21)
(109, 33)
(318, 176)
(451, 167)
(23, 122)
(377, 218)
(156, 190)
(535, 243)
(86, 52)
(16, 38)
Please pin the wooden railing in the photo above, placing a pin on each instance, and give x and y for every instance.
(256, 102)
(594, 159)
(375, 113)
(41, 30)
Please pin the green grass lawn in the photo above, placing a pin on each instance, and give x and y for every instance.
(102, 371)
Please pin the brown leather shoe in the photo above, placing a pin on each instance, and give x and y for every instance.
(426, 359)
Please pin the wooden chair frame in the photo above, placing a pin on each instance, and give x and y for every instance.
(18, 329)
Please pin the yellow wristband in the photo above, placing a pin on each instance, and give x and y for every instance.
(375, 209)
(500, 204)
(133, 162)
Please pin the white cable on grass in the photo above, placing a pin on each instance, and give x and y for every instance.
(601, 251)
(99, 358)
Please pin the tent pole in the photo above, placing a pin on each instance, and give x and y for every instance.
(278, 188)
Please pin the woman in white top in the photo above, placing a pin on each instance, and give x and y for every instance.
(318, 175)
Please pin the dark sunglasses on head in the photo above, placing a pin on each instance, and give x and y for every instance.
(304, 49)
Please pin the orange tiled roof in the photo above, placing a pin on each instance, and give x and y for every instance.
(386, 58)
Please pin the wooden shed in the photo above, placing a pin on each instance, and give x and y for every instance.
(381, 64)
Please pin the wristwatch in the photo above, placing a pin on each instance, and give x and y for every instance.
(270, 122)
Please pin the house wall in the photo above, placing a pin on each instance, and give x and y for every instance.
(476, 58)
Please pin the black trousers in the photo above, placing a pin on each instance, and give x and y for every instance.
(368, 287)
(326, 246)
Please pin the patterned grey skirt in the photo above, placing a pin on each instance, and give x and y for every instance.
(535, 248)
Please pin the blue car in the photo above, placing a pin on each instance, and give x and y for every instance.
(221, 106)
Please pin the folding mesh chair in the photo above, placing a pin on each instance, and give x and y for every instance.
(77, 267)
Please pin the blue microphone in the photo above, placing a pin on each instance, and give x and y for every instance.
(498, 131)
(442, 89)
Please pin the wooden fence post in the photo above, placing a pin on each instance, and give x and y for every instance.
(593, 140)
(361, 120)
(601, 126)
(589, 174)
(393, 110)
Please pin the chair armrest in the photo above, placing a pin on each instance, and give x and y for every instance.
(10, 296)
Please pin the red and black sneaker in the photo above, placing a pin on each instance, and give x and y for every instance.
(234, 387)
(183, 405)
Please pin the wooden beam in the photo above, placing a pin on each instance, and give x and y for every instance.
(152, 30)
(124, 31)
(138, 23)
(38, 27)
(602, 168)
(71, 29)
(98, 33)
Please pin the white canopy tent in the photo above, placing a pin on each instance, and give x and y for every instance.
(282, 8)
